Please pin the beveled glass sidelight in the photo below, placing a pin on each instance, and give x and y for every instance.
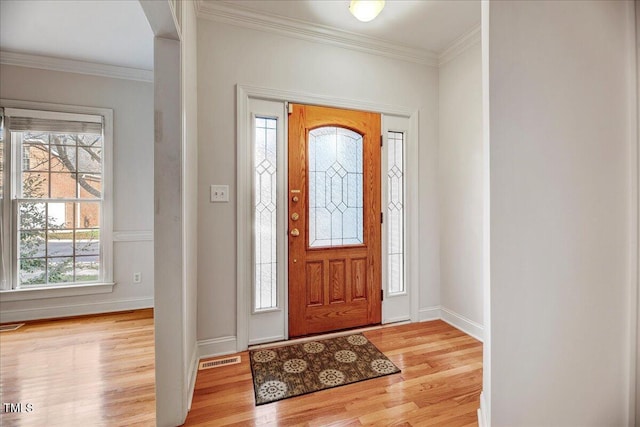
(395, 211)
(265, 213)
(335, 187)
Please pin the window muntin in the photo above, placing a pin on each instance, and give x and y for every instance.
(265, 213)
(336, 197)
(58, 202)
(60, 166)
(395, 211)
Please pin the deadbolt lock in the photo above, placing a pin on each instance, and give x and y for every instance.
(295, 232)
(295, 216)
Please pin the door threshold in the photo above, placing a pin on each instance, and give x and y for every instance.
(325, 336)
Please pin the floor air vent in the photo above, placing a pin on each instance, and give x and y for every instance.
(208, 364)
(13, 327)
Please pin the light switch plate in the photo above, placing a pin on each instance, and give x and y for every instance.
(219, 193)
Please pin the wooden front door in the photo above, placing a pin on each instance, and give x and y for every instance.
(334, 219)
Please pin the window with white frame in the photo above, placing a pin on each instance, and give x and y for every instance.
(395, 212)
(54, 210)
(265, 212)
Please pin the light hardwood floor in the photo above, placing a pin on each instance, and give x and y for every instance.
(439, 385)
(99, 371)
(85, 371)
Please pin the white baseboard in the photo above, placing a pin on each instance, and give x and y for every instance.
(429, 313)
(193, 373)
(216, 347)
(482, 412)
(458, 321)
(26, 314)
(227, 345)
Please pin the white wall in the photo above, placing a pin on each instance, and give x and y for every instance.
(228, 55)
(460, 188)
(132, 104)
(175, 217)
(170, 289)
(190, 188)
(562, 90)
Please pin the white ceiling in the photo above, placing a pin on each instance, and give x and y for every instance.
(117, 32)
(106, 32)
(431, 25)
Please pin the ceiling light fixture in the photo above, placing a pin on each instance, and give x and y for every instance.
(366, 10)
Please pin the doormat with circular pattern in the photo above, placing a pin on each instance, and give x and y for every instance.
(293, 370)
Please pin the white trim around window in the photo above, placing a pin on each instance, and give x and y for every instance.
(55, 292)
(105, 283)
(401, 306)
(267, 320)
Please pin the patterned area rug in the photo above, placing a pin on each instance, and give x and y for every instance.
(297, 369)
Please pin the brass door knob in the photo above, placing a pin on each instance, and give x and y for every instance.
(295, 199)
(295, 216)
(295, 232)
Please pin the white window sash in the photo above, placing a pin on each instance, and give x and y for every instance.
(55, 112)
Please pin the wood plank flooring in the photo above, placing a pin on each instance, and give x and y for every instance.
(439, 385)
(99, 371)
(84, 371)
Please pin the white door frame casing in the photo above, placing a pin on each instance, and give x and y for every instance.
(244, 268)
(398, 307)
(268, 325)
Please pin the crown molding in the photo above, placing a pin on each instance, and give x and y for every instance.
(459, 45)
(239, 16)
(73, 66)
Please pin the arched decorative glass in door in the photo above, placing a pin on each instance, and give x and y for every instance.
(335, 187)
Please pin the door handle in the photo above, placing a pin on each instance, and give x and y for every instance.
(295, 232)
